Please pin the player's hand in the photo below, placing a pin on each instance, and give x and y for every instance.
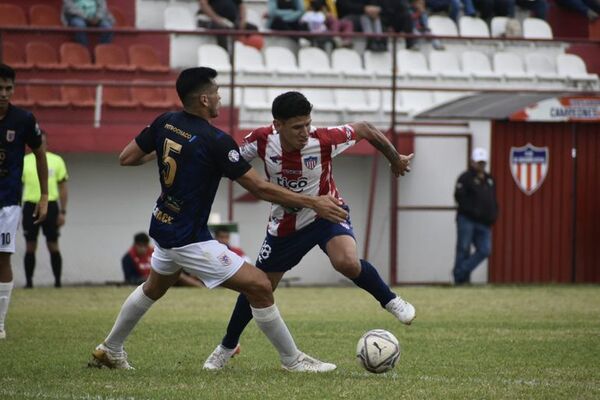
(60, 220)
(41, 210)
(329, 207)
(402, 165)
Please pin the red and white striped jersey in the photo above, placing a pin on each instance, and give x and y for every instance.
(307, 171)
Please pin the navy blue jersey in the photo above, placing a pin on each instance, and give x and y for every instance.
(17, 129)
(192, 157)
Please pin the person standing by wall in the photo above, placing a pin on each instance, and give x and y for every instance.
(57, 210)
(18, 129)
(475, 193)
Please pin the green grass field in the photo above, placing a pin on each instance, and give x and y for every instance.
(540, 342)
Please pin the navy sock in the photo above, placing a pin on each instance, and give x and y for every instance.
(370, 281)
(241, 316)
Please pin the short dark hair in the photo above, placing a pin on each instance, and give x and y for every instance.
(7, 72)
(221, 229)
(192, 80)
(141, 238)
(289, 105)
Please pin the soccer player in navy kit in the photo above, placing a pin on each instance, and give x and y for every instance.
(299, 157)
(18, 128)
(192, 156)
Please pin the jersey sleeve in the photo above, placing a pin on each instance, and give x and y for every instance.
(342, 138)
(249, 149)
(33, 133)
(145, 140)
(61, 174)
(228, 158)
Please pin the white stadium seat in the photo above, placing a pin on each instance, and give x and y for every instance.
(414, 65)
(356, 100)
(498, 26)
(316, 62)
(510, 65)
(573, 67)
(478, 65)
(446, 64)
(249, 60)
(211, 55)
(415, 101)
(473, 27)
(179, 18)
(442, 26)
(348, 63)
(323, 99)
(379, 63)
(282, 61)
(542, 66)
(256, 99)
(535, 28)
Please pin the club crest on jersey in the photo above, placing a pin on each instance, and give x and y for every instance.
(348, 133)
(529, 167)
(233, 156)
(224, 259)
(310, 162)
(10, 135)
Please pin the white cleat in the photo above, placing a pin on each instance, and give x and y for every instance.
(306, 363)
(103, 357)
(2, 334)
(220, 357)
(402, 310)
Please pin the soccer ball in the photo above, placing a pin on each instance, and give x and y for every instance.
(378, 351)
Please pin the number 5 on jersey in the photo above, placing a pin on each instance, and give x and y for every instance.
(169, 163)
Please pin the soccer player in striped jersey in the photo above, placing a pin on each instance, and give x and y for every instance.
(298, 156)
(192, 155)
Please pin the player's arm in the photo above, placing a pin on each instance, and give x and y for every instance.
(400, 164)
(133, 155)
(63, 196)
(41, 165)
(327, 207)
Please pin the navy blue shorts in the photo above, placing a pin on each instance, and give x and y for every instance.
(280, 254)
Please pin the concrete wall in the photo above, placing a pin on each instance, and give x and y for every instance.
(109, 203)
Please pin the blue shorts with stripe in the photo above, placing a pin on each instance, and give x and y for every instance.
(280, 254)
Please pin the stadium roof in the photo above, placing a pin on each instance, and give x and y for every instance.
(486, 106)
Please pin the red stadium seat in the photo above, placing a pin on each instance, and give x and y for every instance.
(120, 19)
(11, 15)
(19, 97)
(173, 98)
(46, 96)
(112, 57)
(118, 97)
(77, 57)
(151, 97)
(79, 96)
(144, 58)
(44, 15)
(13, 56)
(43, 56)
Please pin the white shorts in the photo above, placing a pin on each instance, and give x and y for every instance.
(210, 261)
(9, 222)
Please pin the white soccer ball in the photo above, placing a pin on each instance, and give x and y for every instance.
(378, 351)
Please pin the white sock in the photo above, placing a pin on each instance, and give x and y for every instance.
(270, 322)
(132, 311)
(5, 291)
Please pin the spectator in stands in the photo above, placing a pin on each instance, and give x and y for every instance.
(366, 16)
(285, 15)
(315, 19)
(88, 13)
(489, 9)
(332, 22)
(452, 7)
(421, 23)
(136, 263)
(223, 14)
(538, 8)
(223, 236)
(589, 8)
